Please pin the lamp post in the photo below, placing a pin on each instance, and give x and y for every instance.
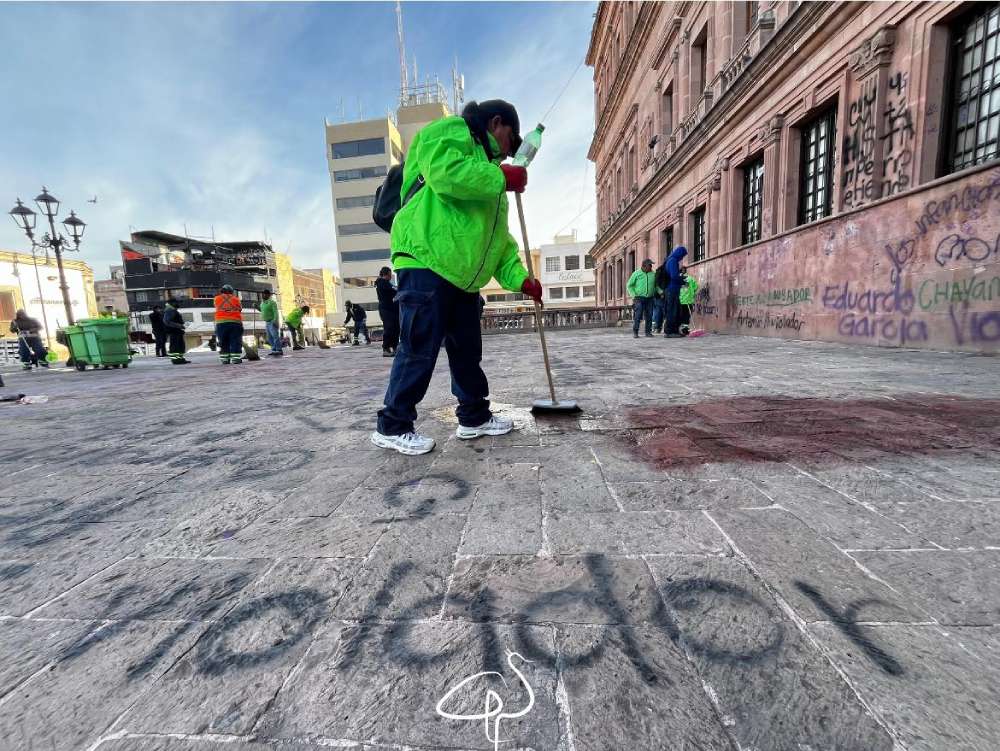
(48, 205)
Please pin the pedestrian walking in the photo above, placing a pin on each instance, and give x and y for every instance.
(447, 242)
(269, 314)
(174, 324)
(686, 300)
(294, 323)
(671, 293)
(360, 317)
(30, 347)
(388, 310)
(229, 325)
(641, 288)
(159, 331)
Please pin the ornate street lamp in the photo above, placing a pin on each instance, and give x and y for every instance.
(48, 205)
(24, 218)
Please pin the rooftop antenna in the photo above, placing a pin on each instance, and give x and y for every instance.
(457, 86)
(403, 83)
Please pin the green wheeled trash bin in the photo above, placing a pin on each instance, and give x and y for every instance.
(104, 343)
(73, 338)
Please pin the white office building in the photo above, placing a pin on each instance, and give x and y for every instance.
(358, 156)
(567, 273)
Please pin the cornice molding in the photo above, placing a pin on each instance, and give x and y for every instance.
(648, 14)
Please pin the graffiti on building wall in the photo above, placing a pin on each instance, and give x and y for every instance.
(703, 305)
(957, 248)
(776, 298)
(859, 148)
(934, 294)
(757, 319)
(897, 138)
(881, 314)
(969, 201)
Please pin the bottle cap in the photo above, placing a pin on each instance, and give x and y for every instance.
(540, 128)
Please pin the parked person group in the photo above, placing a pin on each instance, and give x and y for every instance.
(668, 306)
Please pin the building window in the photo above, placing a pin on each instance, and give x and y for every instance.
(369, 305)
(382, 254)
(572, 293)
(359, 281)
(572, 263)
(666, 241)
(699, 65)
(753, 10)
(555, 293)
(667, 111)
(588, 261)
(189, 317)
(366, 228)
(753, 199)
(632, 173)
(364, 147)
(355, 202)
(344, 175)
(698, 234)
(588, 291)
(631, 261)
(552, 263)
(619, 278)
(975, 107)
(816, 167)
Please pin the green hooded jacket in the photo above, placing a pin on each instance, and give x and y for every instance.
(686, 296)
(456, 225)
(293, 319)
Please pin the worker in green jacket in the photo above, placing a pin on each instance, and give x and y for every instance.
(641, 288)
(447, 242)
(294, 323)
(686, 300)
(269, 314)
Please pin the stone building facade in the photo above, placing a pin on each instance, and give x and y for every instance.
(832, 168)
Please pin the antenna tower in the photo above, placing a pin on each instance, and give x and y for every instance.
(403, 83)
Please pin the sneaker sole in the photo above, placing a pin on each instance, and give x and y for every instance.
(480, 433)
(388, 445)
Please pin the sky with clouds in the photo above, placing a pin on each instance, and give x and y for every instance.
(210, 115)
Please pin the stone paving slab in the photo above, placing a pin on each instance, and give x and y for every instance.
(737, 544)
(960, 588)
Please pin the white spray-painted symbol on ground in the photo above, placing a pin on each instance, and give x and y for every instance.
(493, 709)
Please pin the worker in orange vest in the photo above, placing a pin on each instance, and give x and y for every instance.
(229, 325)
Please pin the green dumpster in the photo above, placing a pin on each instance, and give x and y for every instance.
(100, 342)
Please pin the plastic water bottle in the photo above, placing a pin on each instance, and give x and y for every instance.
(529, 147)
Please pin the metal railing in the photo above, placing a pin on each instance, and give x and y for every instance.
(565, 318)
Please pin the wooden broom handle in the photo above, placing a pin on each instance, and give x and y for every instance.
(538, 306)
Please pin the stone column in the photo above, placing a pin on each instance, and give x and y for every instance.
(770, 137)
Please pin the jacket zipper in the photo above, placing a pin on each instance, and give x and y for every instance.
(489, 242)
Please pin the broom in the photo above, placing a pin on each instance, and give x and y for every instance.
(553, 405)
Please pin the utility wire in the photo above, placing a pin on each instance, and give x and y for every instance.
(586, 208)
(568, 82)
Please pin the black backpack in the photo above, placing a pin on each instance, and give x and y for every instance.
(387, 201)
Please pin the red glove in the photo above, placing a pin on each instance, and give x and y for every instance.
(516, 177)
(533, 289)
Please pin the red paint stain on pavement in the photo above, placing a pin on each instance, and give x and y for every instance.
(812, 430)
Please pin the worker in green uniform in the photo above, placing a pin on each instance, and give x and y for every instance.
(294, 323)
(269, 314)
(447, 242)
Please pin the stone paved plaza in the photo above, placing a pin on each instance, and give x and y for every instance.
(741, 543)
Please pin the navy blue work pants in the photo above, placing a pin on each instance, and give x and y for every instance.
(433, 311)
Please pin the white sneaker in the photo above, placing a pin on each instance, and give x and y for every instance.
(495, 426)
(408, 443)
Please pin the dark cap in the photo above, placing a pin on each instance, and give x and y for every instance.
(508, 116)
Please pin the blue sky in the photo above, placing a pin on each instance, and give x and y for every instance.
(211, 115)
